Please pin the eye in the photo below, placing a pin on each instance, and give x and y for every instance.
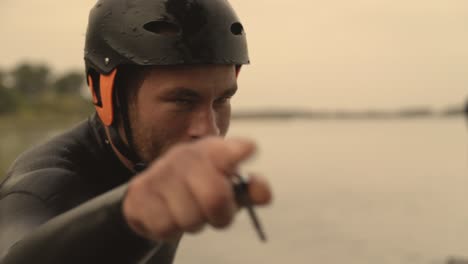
(184, 101)
(223, 100)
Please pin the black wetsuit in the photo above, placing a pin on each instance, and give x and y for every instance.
(61, 203)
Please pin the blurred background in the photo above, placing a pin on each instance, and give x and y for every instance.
(357, 107)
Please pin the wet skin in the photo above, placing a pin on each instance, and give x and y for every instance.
(180, 104)
(179, 117)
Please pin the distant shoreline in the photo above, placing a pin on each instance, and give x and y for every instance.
(349, 115)
(50, 111)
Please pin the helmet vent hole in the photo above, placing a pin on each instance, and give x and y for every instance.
(162, 28)
(237, 29)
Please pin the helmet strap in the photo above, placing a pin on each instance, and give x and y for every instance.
(123, 116)
(112, 109)
(111, 114)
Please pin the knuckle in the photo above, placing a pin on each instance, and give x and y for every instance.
(163, 229)
(193, 227)
(222, 222)
(137, 226)
(136, 193)
(190, 221)
(219, 204)
(217, 198)
(217, 201)
(136, 186)
(128, 210)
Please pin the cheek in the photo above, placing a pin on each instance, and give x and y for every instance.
(154, 123)
(158, 132)
(167, 125)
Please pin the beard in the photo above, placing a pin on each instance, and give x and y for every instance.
(151, 143)
(146, 147)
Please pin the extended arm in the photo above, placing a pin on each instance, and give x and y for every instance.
(94, 232)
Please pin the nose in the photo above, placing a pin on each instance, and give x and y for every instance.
(203, 123)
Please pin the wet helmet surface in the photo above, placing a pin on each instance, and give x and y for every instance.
(163, 32)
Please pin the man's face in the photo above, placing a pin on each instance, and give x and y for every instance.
(180, 104)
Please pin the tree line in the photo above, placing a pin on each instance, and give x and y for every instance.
(29, 85)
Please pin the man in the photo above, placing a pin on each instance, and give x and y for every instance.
(123, 186)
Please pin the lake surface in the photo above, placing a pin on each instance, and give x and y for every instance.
(389, 191)
(393, 191)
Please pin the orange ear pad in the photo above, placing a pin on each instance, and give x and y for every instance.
(106, 86)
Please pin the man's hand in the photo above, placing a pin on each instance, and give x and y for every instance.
(188, 187)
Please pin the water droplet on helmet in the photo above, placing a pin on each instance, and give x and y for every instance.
(107, 61)
(146, 61)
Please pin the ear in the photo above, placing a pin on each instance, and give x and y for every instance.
(104, 103)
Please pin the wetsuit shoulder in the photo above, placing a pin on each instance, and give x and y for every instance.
(52, 170)
(61, 203)
(52, 178)
(66, 170)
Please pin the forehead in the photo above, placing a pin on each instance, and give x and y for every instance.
(204, 77)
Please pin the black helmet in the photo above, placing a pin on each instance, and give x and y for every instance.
(163, 32)
(150, 33)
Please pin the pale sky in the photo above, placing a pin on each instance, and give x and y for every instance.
(333, 54)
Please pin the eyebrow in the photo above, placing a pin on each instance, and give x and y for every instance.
(185, 92)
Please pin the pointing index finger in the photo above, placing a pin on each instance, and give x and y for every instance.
(227, 154)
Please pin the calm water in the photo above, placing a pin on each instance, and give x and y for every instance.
(345, 192)
(351, 192)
